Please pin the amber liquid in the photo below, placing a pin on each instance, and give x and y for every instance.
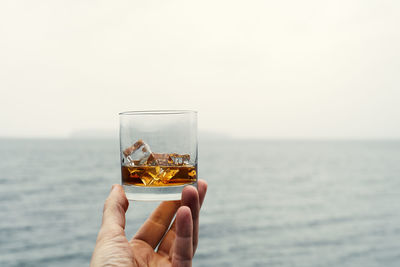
(158, 175)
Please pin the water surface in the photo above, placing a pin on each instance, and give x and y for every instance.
(270, 203)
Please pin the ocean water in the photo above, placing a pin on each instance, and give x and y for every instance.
(270, 203)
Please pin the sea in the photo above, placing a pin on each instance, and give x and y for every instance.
(269, 202)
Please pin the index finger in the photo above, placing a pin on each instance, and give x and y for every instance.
(115, 206)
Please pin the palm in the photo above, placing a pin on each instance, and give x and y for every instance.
(136, 253)
(175, 244)
(144, 255)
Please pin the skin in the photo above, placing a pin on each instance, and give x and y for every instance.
(176, 246)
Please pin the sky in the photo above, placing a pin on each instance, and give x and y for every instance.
(252, 69)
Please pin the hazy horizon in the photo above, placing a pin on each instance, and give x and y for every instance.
(95, 134)
(252, 69)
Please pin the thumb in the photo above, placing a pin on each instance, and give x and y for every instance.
(115, 207)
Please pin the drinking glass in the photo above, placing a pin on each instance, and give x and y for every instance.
(158, 151)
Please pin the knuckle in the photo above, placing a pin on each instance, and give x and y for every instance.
(110, 233)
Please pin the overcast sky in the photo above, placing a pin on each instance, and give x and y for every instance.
(308, 69)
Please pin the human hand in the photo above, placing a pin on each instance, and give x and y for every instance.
(175, 247)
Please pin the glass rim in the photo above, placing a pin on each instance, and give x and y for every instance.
(157, 112)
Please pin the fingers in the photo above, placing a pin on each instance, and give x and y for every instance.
(202, 188)
(115, 207)
(157, 224)
(183, 248)
(187, 199)
(194, 200)
(190, 198)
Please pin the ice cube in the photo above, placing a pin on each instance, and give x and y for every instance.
(159, 159)
(177, 159)
(137, 154)
(153, 176)
(160, 175)
(147, 180)
(167, 173)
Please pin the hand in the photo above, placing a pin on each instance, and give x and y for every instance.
(176, 246)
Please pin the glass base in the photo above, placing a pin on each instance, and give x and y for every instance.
(142, 193)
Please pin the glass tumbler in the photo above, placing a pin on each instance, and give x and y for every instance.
(158, 151)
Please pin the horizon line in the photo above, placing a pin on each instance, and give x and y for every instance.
(217, 138)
